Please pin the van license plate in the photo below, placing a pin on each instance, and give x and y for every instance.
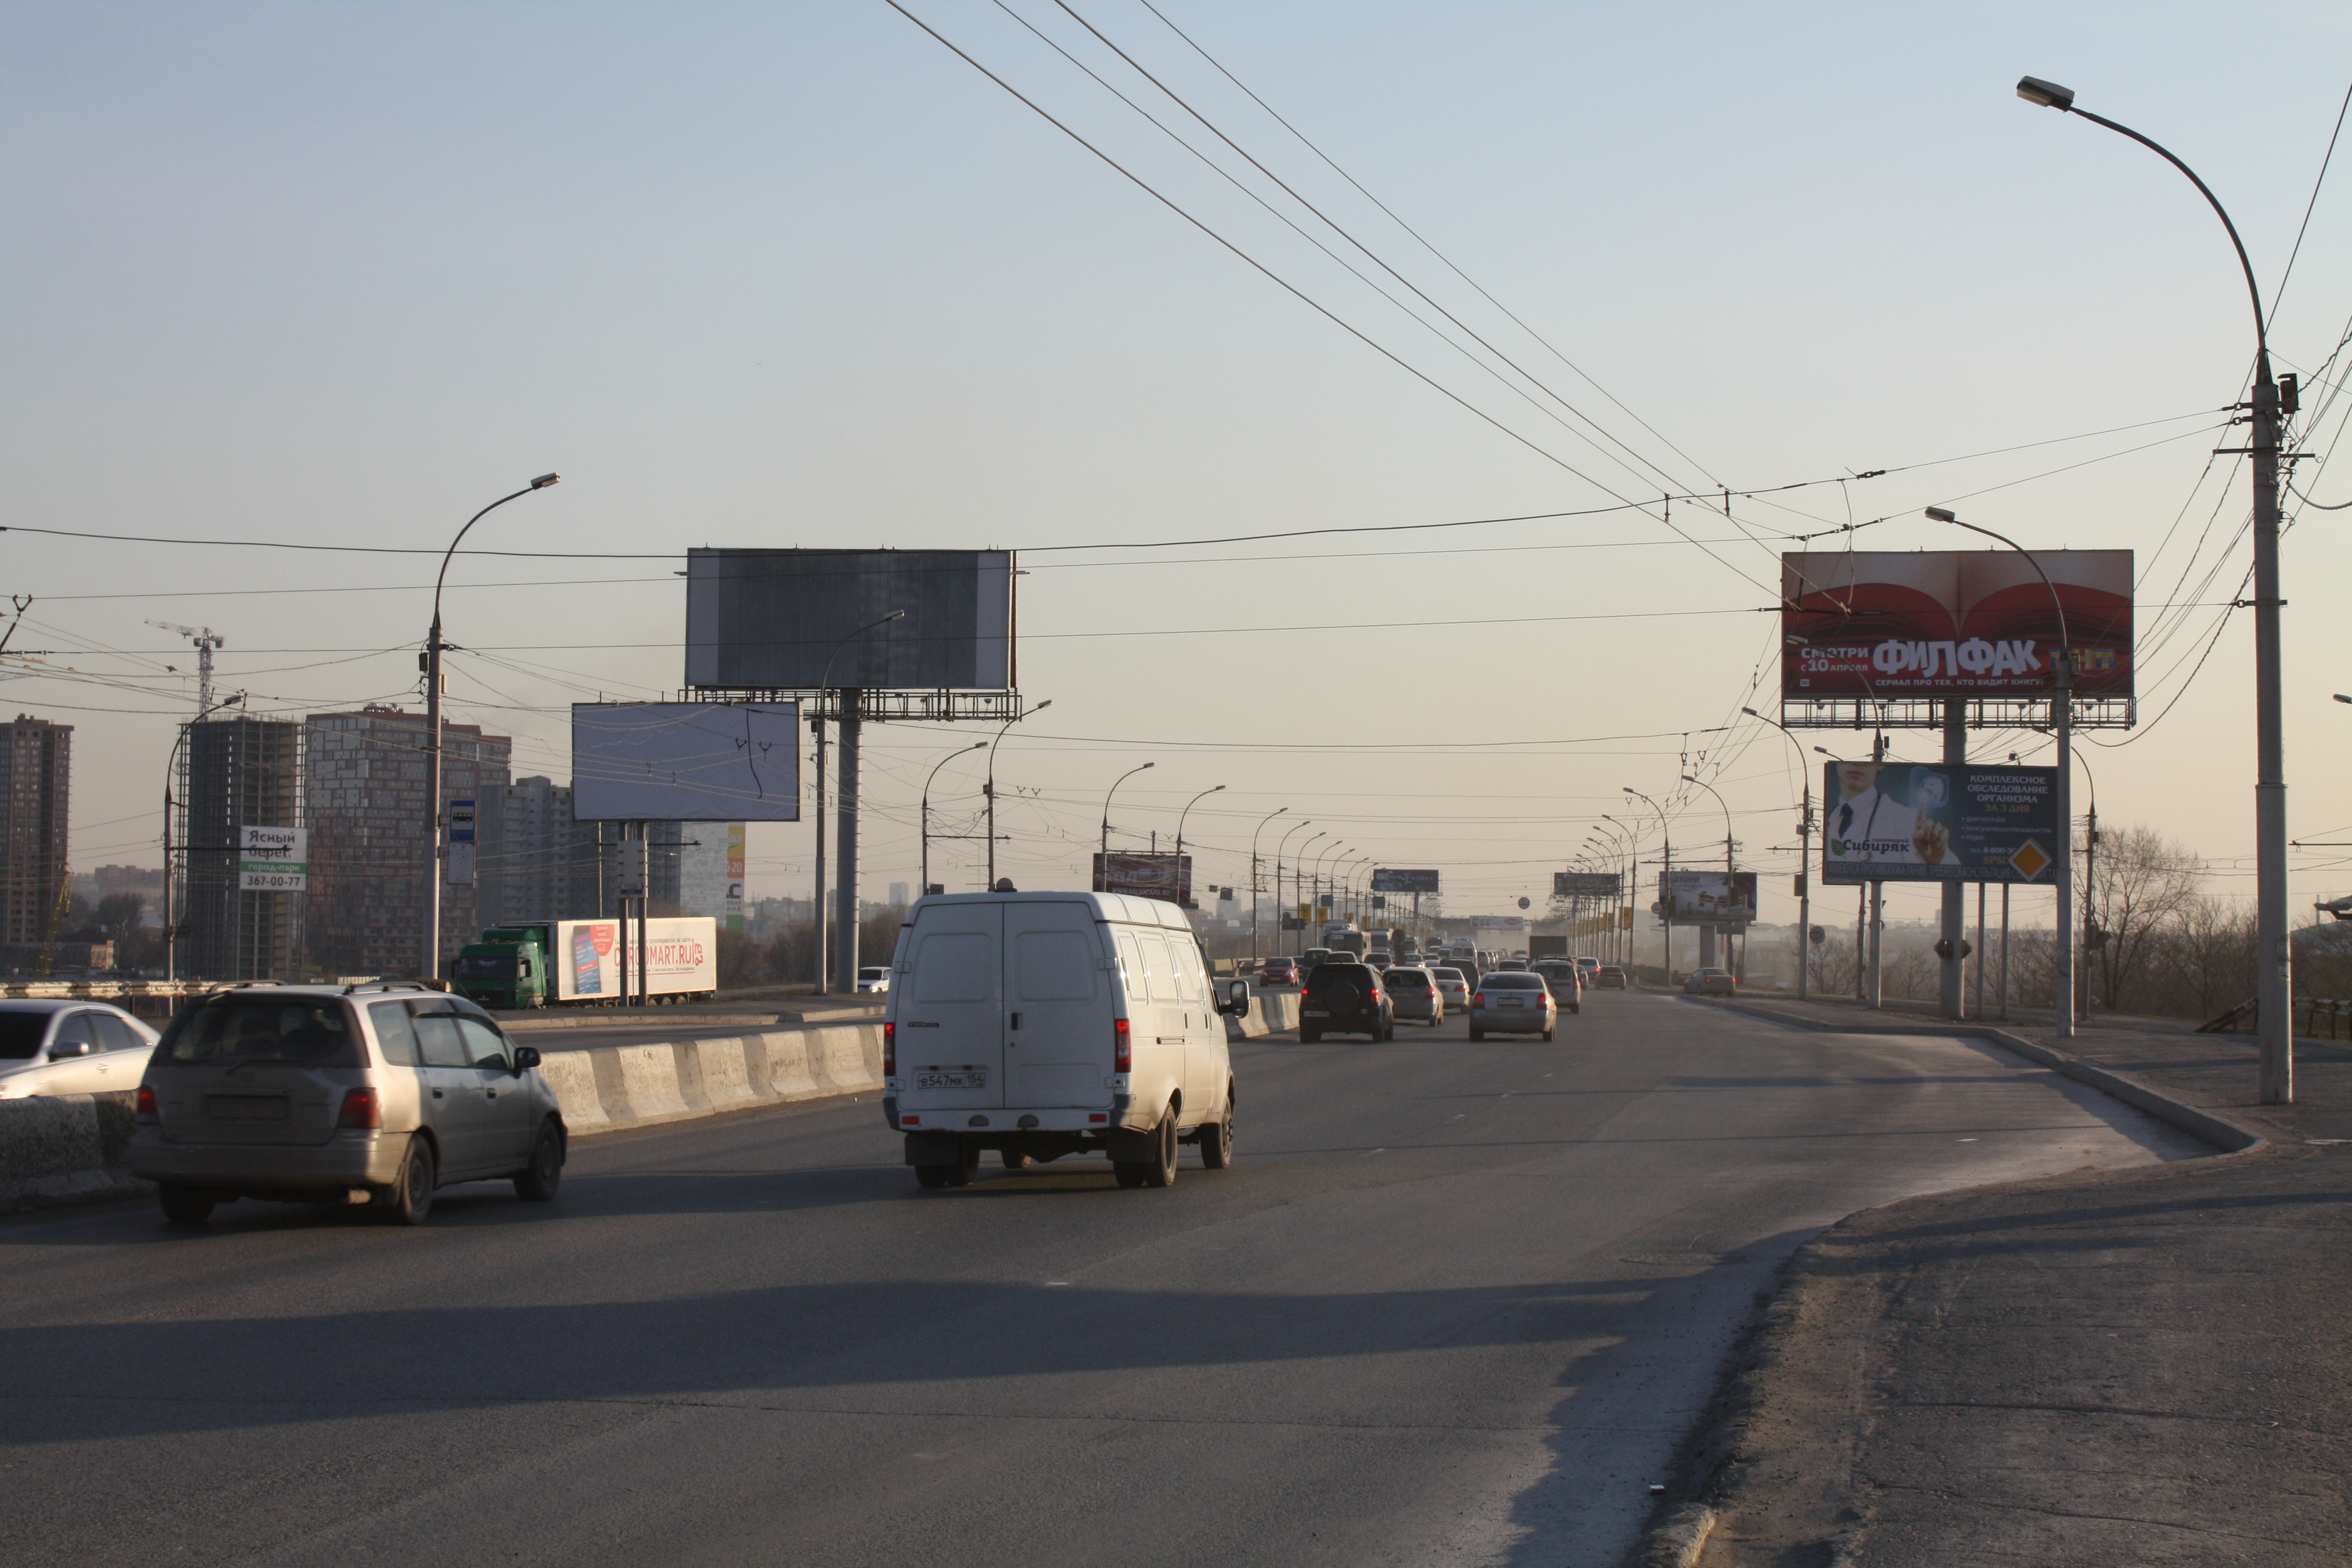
(970, 1077)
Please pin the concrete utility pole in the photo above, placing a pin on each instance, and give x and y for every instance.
(926, 809)
(1667, 881)
(990, 786)
(430, 957)
(1707, 958)
(1952, 943)
(2273, 966)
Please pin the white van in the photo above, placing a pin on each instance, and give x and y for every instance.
(1041, 1024)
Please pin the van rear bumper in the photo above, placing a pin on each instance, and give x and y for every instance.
(348, 1160)
(911, 1118)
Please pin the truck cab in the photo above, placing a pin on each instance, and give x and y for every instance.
(507, 968)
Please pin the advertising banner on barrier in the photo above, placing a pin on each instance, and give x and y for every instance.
(1389, 881)
(1586, 884)
(1164, 877)
(1709, 898)
(1953, 623)
(1938, 822)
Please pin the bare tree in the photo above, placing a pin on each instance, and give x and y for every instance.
(2141, 884)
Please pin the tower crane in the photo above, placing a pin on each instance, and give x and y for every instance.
(205, 640)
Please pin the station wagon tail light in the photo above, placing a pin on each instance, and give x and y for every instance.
(147, 1104)
(889, 1050)
(361, 1108)
(1122, 1049)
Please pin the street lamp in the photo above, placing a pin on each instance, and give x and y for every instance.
(1279, 844)
(433, 647)
(1804, 857)
(943, 761)
(2274, 971)
(2062, 718)
(991, 787)
(1112, 791)
(1254, 880)
(1726, 849)
(1186, 887)
(172, 771)
(1667, 881)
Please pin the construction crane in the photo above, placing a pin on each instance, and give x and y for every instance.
(205, 640)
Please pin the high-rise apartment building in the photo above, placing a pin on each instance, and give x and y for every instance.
(240, 772)
(372, 835)
(546, 867)
(35, 772)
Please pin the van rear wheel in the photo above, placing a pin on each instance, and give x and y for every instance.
(1017, 1161)
(966, 1169)
(933, 1176)
(1162, 1171)
(1217, 1137)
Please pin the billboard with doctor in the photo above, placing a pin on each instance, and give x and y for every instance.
(1938, 822)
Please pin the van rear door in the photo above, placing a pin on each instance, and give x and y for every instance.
(1059, 1035)
(952, 1016)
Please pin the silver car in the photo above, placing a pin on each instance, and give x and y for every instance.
(1453, 985)
(1415, 994)
(58, 1047)
(374, 1094)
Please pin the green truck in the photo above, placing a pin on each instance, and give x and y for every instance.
(543, 964)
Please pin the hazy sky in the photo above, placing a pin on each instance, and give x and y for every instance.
(775, 275)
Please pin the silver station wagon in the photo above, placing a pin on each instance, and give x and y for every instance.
(374, 1094)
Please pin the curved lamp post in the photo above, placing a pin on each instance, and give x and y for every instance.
(1804, 857)
(2274, 971)
(1279, 845)
(943, 761)
(1180, 816)
(1665, 883)
(1253, 878)
(990, 786)
(434, 813)
(1112, 791)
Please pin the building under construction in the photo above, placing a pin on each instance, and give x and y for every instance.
(36, 770)
(237, 772)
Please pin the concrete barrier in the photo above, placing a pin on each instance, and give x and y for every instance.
(1269, 1013)
(64, 1149)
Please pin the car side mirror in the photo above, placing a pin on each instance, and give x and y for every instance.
(65, 1048)
(525, 1058)
(1237, 998)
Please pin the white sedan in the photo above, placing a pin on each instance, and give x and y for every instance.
(54, 1046)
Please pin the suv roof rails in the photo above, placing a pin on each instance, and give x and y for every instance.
(359, 986)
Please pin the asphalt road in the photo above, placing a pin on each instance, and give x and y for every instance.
(1455, 1304)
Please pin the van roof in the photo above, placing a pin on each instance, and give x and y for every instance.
(1123, 909)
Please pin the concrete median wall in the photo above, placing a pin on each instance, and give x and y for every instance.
(64, 1149)
(609, 1087)
(1269, 1013)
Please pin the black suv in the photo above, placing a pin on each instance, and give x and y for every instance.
(1345, 998)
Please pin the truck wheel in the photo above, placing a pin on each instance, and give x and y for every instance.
(1161, 1172)
(185, 1205)
(1217, 1138)
(966, 1169)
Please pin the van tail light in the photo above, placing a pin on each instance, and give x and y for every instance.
(889, 1050)
(1122, 1049)
(147, 1111)
(361, 1108)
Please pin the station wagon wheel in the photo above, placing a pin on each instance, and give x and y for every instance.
(537, 1182)
(410, 1198)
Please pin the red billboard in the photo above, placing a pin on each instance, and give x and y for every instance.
(1953, 623)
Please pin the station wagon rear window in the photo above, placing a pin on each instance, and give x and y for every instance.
(307, 1033)
(1516, 980)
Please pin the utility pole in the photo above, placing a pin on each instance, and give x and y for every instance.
(844, 817)
(1877, 892)
(817, 898)
(1951, 998)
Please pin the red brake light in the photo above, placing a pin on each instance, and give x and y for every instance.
(1122, 1052)
(889, 1050)
(147, 1104)
(361, 1108)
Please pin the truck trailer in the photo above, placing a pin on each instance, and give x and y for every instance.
(578, 963)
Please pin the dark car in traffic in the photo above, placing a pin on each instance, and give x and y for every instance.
(1610, 977)
(1345, 999)
(1711, 982)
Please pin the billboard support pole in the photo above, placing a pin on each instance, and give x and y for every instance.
(845, 814)
(1952, 978)
(816, 899)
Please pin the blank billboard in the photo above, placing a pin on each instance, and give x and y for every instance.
(776, 619)
(686, 762)
(1390, 879)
